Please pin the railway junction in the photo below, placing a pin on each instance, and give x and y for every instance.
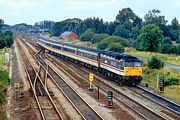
(50, 87)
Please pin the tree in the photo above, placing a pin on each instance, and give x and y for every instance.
(174, 29)
(109, 27)
(167, 49)
(116, 47)
(155, 63)
(178, 49)
(1, 23)
(8, 37)
(126, 21)
(127, 14)
(150, 38)
(87, 35)
(153, 17)
(121, 31)
(73, 25)
(178, 39)
(102, 45)
(98, 38)
(116, 39)
(167, 40)
(2, 43)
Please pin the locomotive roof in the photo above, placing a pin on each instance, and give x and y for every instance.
(119, 56)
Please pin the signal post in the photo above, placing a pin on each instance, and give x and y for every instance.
(91, 78)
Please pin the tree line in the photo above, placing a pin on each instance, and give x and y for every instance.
(6, 37)
(127, 27)
(126, 24)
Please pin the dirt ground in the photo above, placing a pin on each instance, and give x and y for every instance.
(19, 100)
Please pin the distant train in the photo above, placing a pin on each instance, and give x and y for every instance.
(122, 68)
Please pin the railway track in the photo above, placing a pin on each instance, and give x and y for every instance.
(175, 107)
(47, 108)
(85, 111)
(132, 104)
(79, 104)
(146, 113)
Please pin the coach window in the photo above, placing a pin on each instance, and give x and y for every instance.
(106, 60)
(100, 58)
(121, 65)
(93, 57)
(80, 53)
(69, 50)
(114, 63)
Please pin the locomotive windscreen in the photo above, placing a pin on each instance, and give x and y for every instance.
(132, 64)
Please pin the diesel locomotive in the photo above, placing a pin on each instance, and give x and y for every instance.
(122, 68)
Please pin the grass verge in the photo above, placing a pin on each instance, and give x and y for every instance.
(170, 59)
(4, 81)
(172, 92)
(150, 77)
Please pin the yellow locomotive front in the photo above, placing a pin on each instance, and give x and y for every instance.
(133, 72)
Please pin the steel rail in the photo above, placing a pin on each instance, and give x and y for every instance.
(31, 84)
(168, 104)
(37, 76)
(65, 94)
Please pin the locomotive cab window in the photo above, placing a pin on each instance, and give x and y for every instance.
(128, 64)
(137, 64)
(132, 64)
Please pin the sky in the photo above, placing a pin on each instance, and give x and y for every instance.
(31, 11)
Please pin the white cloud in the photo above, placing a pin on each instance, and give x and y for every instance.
(23, 4)
(16, 4)
(86, 4)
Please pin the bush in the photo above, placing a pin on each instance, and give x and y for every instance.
(102, 45)
(167, 40)
(4, 77)
(178, 39)
(155, 63)
(98, 38)
(6, 39)
(116, 47)
(87, 35)
(168, 49)
(171, 81)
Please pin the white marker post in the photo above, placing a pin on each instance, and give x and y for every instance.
(157, 83)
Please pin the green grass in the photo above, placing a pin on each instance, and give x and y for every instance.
(150, 76)
(170, 59)
(172, 92)
(4, 81)
(3, 64)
